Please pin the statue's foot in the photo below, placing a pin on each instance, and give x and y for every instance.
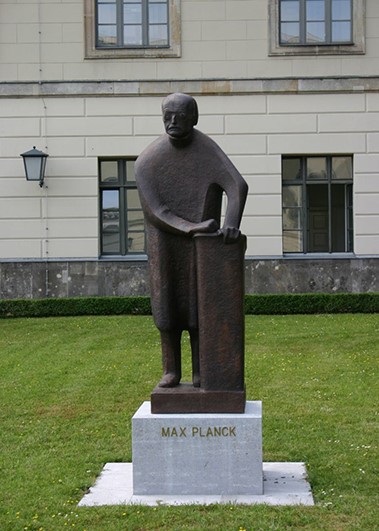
(196, 380)
(169, 380)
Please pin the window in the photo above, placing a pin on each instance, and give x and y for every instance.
(317, 195)
(130, 23)
(122, 229)
(316, 27)
(315, 21)
(132, 28)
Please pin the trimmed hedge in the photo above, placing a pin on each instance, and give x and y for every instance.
(75, 306)
(282, 304)
(308, 303)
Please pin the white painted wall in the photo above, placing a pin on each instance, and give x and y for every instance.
(44, 39)
(61, 221)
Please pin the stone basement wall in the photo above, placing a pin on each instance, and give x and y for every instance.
(40, 279)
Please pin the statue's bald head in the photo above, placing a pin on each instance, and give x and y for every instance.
(180, 114)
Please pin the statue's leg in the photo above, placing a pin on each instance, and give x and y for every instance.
(194, 337)
(171, 358)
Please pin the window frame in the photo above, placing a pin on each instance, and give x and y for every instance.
(122, 186)
(356, 47)
(303, 182)
(172, 49)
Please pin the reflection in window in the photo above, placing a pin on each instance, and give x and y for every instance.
(317, 195)
(315, 22)
(110, 221)
(132, 23)
(122, 229)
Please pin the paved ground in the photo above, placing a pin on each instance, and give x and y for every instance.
(284, 484)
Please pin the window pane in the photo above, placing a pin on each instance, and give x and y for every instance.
(107, 35)
(290, 32)
(341, 9)
(316, 32)
(133, 199)
(316, 168)
(110, 221)
(315, 10)
(133, 35)
(292, 196)
(135, 220)
(132, 14)
(109, 171)
(107, 14)
(136, 242)
(111, 243)
(342, 168)
(292, 218)
(130, 177)
(110, 201)
(341, 32)
(158, 35)
(292, 242)
(291, 169)
(349, 228)
(158, 14)
(338, 218)
(317, 196)
(318, 218)
(289, 10)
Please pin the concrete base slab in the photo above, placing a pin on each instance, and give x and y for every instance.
(284, 484)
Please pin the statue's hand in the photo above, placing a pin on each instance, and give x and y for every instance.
(231, 234)
(210, 225)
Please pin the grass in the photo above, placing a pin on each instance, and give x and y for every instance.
(70, 385)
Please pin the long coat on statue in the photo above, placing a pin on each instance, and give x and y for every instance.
(181, 183)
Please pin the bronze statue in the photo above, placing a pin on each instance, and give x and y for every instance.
(181, 178)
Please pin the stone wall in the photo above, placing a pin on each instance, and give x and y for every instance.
(345, 275)
(40, 279)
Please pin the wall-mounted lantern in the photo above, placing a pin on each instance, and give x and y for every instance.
(35, 162)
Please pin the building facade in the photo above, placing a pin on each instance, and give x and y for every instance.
(288, 88)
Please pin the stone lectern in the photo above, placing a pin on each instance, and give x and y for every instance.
(220, 295)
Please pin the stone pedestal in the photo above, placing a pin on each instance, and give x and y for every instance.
(210, 454)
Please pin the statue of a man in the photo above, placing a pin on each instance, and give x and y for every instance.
(181, 178)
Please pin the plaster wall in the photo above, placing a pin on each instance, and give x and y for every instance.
(220, 39)
(60, 220)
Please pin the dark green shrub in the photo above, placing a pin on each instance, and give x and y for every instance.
(281, 304)
(75, 306)
(308, 303)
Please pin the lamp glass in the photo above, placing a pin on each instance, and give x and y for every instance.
(33, 166)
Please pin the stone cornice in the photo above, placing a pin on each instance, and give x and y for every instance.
(306, 85)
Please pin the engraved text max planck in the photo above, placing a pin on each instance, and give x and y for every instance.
(199, 431)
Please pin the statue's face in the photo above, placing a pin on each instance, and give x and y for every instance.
(178, 118)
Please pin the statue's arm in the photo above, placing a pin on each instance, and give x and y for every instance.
(236, 190)
(163, 218)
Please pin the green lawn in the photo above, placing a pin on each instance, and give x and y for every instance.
(69, 387)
